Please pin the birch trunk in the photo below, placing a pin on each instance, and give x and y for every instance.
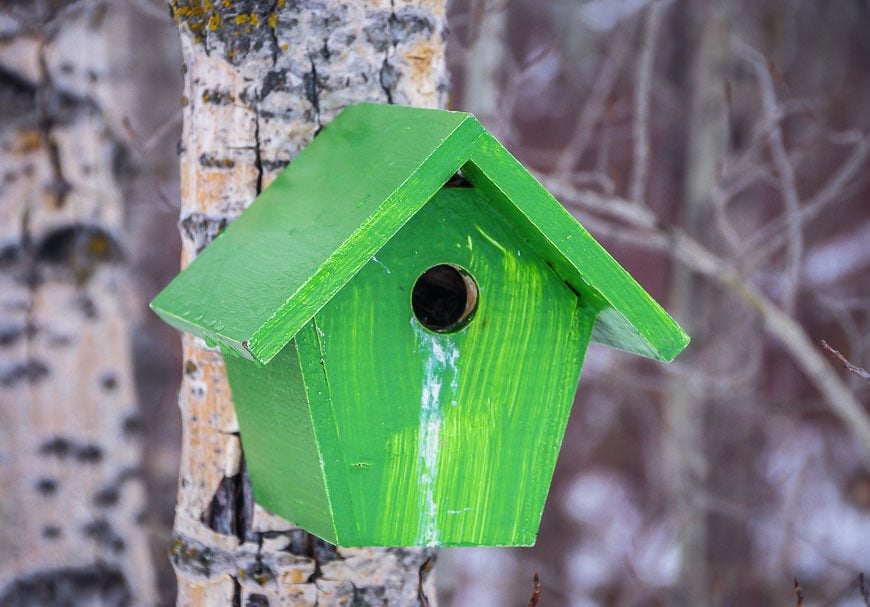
(71, 496)
(261, 77)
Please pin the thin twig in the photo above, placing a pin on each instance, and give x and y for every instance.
(799, 593)
(642, 94)
(597, 101)
(859, 371)
(769, 238)
(788, 182)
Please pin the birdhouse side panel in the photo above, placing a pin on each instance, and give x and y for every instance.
(279, 441)
(451, 438)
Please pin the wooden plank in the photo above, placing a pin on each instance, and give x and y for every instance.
(279, 442)
(450, 439)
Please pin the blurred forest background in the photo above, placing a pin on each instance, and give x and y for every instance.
(721, 151)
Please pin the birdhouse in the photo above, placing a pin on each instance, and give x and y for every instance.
(404, 343)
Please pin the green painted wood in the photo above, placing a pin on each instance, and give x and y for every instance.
(346, 195)
(313, 228)
(444, 439)
(629, 319)
(275, 423)
(358, 423)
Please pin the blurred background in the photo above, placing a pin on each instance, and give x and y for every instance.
(720, 151)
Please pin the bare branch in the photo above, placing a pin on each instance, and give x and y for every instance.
(594, 107)
(799, 593)
(788, 182)
(859, 371)
(643, 87)
(777, 322)
(771, 237)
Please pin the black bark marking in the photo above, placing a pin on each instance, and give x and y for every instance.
(62, 447)
(17, 100)
(311, 85)
(78, 249)
(30, 371)
(237, 593)
(87, 306)
(217, 96)
(109, 381)
(274, 165)
(69, 587)
(387, 30)
(258, 158)
(89, 454)
(132, 425)
(231, 508)
(257, 600)
(46, 486)
(51, 532)
(122, 165)
(102, 533)
(57, 446)
(211, 161)
(275, 80)
(388, 79)
(260, 572)
(192, 556)
(106, 497)
(201, 229)
(10, 335)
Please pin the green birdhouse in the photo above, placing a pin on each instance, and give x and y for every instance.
(403, 345)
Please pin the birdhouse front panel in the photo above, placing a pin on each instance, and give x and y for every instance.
(403, 355)
(448, 435)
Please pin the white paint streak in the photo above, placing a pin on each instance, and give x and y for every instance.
(463, 511)
(440, 380)
(380, 263)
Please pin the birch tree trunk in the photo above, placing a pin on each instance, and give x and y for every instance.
(71, 496)
(261, 78)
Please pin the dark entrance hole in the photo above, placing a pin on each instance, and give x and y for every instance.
(444, 298)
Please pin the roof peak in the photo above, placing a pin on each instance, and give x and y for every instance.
(347, 194)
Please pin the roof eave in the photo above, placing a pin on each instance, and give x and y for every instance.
(628, 317)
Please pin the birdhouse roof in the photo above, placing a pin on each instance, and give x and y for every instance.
(347, 194)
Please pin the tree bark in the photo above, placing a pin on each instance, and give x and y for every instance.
(72, 499)
(261, 78)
